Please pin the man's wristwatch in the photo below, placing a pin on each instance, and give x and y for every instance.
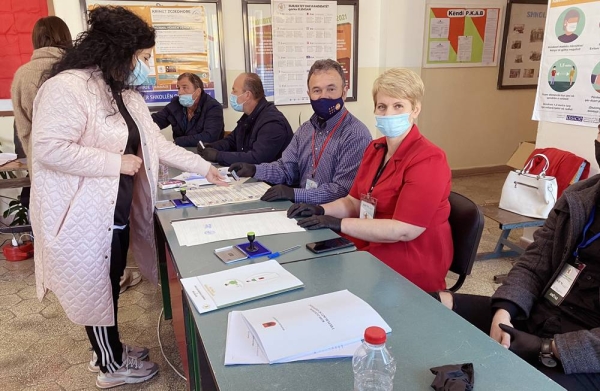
(546, 356)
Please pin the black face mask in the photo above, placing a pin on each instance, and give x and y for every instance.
(597, 151)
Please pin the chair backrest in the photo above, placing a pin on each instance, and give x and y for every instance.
(466, 223)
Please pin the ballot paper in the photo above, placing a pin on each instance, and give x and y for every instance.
(228, 287)
(221, 195)
(192, 232)
(325, 326)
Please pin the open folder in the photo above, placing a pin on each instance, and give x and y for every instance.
(325, 326)
(228, 287)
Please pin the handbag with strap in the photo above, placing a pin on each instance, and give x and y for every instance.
(531, 195)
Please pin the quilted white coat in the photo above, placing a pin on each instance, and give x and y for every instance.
(78, 137)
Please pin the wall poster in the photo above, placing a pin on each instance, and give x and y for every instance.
(259, 43)
(187, 40)
(569, 80)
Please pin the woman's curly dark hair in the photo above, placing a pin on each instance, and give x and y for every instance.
(113, 37)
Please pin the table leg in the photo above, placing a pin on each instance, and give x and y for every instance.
(498, 252)
(162, 268)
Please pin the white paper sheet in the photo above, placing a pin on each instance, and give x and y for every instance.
(439, 27)
(7, 157)
(242, 348)
(200, 231)
(237, 285)
(329, 325)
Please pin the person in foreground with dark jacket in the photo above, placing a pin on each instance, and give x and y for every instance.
(193, 114)
(261, 134)
(548, 309)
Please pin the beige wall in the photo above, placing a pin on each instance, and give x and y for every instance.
(476, 124)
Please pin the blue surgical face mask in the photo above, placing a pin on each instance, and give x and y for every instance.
(393, 125)
(327, 108)
(234, 103)
(186, 100)
(139, 75)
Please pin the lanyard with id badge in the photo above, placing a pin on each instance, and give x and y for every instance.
(368, 204)
(566, 279)
(310, 182)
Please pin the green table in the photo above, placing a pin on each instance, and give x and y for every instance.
(424, 334)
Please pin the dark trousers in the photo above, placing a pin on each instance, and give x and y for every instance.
(105, 340)
(21, 154)
(477, 310)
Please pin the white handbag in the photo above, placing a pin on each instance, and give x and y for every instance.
(529, 194)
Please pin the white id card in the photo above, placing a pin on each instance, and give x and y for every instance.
(368, 205)
(563, 283)
(310, 184)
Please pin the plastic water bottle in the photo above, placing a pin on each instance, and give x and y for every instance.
(163, 172)
(374, 367)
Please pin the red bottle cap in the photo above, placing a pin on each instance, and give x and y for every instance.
(375, 335)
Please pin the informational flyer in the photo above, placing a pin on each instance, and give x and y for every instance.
(462, 37)
(303, 32)
(182, 45)
(569, 80)
(261, 44)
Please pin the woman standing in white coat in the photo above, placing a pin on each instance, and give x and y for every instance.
(96, 153)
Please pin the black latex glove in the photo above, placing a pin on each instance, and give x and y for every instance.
(317, 222)
(200, 149)
(455, 377)
(245, 170)
(209, 154)
(525, 345)
(279, 192)
(305, 210)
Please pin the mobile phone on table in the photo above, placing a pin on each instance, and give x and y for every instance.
(329, 245)
(167, 204)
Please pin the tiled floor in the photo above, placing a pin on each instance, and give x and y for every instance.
(41, 350)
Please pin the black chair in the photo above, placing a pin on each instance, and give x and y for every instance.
(466, 223)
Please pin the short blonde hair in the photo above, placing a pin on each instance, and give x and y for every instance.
(399, 83)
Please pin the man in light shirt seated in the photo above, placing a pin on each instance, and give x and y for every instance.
(323, 157)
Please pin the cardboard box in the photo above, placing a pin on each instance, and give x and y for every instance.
(519, 157)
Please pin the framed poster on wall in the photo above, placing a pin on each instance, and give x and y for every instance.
(461, 36)
(188, 39)
(522, 44)
(258, 42)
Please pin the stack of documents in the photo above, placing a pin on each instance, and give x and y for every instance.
(233, 286)
(212, 229)
(325, 326)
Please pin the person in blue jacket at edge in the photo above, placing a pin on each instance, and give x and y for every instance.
(193, 114)
(262, 132)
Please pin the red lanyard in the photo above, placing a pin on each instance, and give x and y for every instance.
(316, 160)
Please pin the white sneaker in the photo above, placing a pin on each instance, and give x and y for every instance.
(129, 279)
(140, 353)
(132, 371)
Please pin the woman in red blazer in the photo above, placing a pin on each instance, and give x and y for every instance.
(398, 206)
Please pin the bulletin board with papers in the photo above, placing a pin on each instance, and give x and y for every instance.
(258, 38)
(461, 36)
(188, 39)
